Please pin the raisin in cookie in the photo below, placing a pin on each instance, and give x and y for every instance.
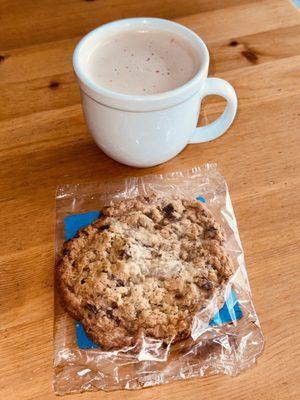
(145, 267)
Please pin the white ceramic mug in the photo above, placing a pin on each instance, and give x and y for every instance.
(143, 131)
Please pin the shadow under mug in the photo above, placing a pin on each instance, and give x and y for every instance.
(143, 131)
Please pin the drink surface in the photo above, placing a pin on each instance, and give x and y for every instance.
(142, 62)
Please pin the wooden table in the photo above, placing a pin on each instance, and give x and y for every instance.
(44, 142)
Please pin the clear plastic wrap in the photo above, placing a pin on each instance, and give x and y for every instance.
(222, 341)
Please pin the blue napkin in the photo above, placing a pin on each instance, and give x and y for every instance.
(231, 311)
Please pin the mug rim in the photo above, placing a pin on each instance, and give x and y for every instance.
(140, 102)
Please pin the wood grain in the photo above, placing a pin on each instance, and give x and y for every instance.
(44, 142)
(57, 20)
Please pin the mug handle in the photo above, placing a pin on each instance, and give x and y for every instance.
(222, 88)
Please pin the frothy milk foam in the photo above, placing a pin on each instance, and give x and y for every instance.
(142, 62)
